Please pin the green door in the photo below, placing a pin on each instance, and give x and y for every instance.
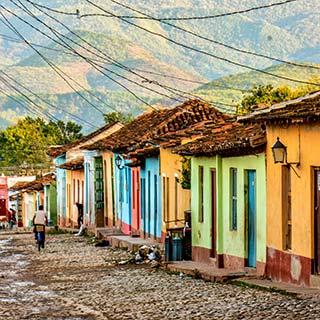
(99, 194)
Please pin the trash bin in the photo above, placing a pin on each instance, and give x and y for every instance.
(168, 247)
(177, 251)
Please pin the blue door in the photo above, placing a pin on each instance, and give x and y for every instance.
(143, 205)
(252, 239)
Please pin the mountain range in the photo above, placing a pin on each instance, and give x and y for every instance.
(127, 60)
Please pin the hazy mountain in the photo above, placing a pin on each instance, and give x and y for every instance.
(289, 32)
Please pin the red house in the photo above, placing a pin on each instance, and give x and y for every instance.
(4, 197)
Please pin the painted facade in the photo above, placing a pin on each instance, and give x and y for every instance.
(175, 200)
(151, 204)
(293, 262)
(215, 236)
(50, 203)
(61, 190)
(123, 195)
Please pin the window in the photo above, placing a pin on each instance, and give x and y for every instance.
(233, 198)
(200, 177)
(286, 210)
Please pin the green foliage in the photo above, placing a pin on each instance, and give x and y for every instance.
(27, 141)
(118, 116)
(186, 173)
(268, 95)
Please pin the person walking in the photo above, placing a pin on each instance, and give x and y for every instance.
(80, 214)
(39, 222)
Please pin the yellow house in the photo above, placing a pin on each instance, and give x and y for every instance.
(175, 199)
(293, 189)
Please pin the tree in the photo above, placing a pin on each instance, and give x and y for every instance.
(28, 140)
(268, 95)
(118, 116)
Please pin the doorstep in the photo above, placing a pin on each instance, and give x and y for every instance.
(205, 271)
(130, 243)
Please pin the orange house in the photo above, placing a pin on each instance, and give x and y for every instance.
(293, 189)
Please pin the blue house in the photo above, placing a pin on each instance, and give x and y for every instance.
(151, 211)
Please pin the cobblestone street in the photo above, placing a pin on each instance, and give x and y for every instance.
(74, 280)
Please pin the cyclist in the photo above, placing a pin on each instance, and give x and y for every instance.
(39, 222)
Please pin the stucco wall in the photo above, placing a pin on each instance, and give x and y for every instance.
(171, 167)
(235, 241)
(302, 188)
(154, 224)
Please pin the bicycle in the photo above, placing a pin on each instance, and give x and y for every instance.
(40, 236)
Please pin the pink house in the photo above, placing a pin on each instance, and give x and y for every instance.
(4, 197)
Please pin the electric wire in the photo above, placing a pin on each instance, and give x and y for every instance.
(58, 70)
(46, 102)
(220, 43)
(77, 13)
(88, 60)
(170, 89)
(180, 44)
(36, 107)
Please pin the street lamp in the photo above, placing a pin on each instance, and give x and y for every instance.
(279, 151)
(119, 162)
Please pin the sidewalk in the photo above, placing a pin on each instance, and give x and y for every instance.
(278, 287)
(131, 243)
(204, 271)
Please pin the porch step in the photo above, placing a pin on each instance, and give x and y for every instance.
(130, 243)
(315, 281)
(104, 233)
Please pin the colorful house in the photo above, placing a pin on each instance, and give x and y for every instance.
(80, 179)
(145, 167)
(228, 192)
(30, 195)
(293, 189)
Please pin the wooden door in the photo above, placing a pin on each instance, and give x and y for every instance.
(317, 220)
(213, 214)
(251, 201)
(99, 194)
(143, 204)
(3, 207)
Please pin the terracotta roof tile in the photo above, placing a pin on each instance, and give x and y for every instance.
(156, 127)
(35, 185)
(232, 139)
(303, 109)
(74, 164)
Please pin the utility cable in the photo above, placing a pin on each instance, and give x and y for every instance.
(45, 101)
(218, 42)
(77, 13)
(202, 51)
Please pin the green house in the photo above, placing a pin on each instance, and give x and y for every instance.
(228, 197)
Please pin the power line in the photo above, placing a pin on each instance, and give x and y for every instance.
(36, 106)
(48, 103)
(77, 13)
(12, 39)
(202, 51)
(110, 59)
(52, 65)
(170, 89)
(88, 60)
(220, 43)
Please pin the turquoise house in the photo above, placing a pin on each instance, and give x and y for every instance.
(151, 211)
(228, 197)
(61, 183)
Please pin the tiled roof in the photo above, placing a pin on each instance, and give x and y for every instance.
(303, 109)
(55, 151)
(74, 164)
(35, 185)
(162, 126)
(234, 139)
